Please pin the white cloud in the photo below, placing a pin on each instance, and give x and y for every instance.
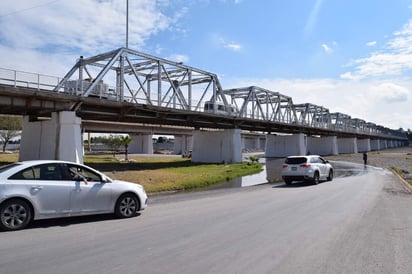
(86, 27)
(218, 40)
(179, 58)
(390, 92)
(233, 46)
(311, 22)
(371, 43)
(327, 49)
(392, 60)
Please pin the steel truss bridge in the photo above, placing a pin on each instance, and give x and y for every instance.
(128, 86)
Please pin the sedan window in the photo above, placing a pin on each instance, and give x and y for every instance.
(41, 172)
(26, 174)
(79, 172)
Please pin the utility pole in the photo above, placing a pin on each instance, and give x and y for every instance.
(127, 24)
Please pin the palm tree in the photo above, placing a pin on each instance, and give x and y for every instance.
(126, 140)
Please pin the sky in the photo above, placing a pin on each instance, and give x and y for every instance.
(350, 56)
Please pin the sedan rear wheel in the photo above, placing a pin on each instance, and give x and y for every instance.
(15, 214)
(127, 206)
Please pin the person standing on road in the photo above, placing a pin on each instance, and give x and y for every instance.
(365, 158)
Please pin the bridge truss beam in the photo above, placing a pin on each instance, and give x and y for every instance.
(125, 75)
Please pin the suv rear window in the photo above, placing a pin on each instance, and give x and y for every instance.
(295, 160)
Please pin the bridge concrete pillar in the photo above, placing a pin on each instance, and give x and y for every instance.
(364, 145)
(59, 138)
(217, 146)
(141, 144)
(376, 144)
(347, 145)
(183, 143)
(285, 145)
(327, 145)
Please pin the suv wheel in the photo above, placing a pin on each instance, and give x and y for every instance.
(316, 178)
(330, 177)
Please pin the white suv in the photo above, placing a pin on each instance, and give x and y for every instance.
(306, 168)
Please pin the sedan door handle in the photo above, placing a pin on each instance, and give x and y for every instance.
(36, 189)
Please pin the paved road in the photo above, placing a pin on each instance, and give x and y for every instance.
(358, 224)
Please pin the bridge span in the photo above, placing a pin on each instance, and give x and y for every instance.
(125, 86)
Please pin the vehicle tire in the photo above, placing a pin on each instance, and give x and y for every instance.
(316, 178)
(15, 214)
(127, 206)
(330, 177)
(288, 182)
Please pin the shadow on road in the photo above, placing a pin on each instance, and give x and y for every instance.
(69, 221)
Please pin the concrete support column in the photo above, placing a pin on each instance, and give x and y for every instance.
(364, 145)
(347, 145)
(285, 145)
(217, 146)
(183, 143)
(59, 138)
(327, 145)
(142, 144)
(375, 144)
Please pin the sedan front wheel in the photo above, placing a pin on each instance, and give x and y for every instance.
(15, 214)
(127, 206)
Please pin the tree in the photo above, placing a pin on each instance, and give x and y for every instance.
(126, 140)
(10, 127)
(114, 142)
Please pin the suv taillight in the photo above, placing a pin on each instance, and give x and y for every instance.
(305, 165)
(284, 166)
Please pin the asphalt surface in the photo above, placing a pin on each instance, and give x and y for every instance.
(355, 224)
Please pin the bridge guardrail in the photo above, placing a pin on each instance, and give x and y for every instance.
(18, 78)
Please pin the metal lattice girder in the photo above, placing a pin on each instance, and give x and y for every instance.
(370, 128)
(128, 75)
(340, 121)
(358, 125)
(312, 115)
(259, 103)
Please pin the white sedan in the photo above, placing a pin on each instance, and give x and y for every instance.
(33, 190)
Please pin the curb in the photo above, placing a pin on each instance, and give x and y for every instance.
(406, 185)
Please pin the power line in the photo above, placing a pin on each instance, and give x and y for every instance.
(31, 8)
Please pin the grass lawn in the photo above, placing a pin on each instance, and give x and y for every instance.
(159, 174)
